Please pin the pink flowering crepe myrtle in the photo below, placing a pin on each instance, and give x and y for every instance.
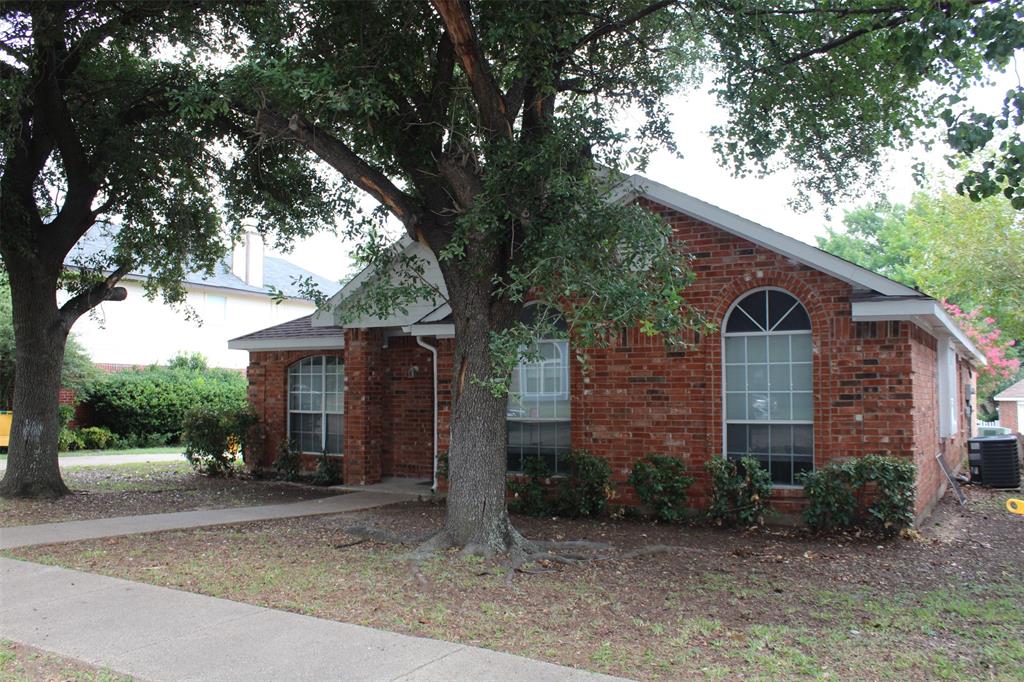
(1000, 351)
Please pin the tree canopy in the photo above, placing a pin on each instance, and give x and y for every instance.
(491, 131)
(98, 128)
(952, 248)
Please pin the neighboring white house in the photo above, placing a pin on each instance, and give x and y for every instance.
(232, 302)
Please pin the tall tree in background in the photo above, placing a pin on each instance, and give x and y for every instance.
(476, 124)
(96, 125)
(952, 248)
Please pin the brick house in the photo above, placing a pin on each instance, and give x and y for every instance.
(815, 359)
(1011, 407)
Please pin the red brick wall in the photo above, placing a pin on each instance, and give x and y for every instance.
(408, 412)
(874, 383)
(1008, 415)
(268, 396)
(388, 410)
(640, 398)
(931, 481)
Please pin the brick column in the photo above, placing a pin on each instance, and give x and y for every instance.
(363, 405)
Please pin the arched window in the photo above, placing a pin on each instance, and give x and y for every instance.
(316, 404)
(769, 402)
(538, 400)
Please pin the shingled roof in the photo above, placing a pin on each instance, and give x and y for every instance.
(1013, 393)
(298, 334)
(278, 273)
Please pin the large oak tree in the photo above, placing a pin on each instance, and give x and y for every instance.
(488, 129)
(100, 125)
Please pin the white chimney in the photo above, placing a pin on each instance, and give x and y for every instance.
(247, 259)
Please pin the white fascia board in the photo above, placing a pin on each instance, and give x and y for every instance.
(298, 343)
(414, 311)
(925, 312)
(441, 331)
(438, 314)
(812, 257)
(326, 318)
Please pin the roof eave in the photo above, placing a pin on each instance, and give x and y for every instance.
(297, 343)
(926, 313)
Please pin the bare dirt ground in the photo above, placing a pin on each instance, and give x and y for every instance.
(658, 603)
(152, 488)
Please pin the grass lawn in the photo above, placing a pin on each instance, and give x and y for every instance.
(146, 488)
(701, 603)
(19, 663)
(165, 450)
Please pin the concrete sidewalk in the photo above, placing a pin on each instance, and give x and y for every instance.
(70, 531)
(155, 633)
(104, 460)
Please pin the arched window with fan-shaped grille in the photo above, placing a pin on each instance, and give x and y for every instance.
(769, 398)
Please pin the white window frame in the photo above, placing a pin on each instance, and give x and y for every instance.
(946, 378)
(725, 387)
(563, 358)
(323, 411)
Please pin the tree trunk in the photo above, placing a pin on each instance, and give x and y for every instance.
(477, 516)
(40, 335)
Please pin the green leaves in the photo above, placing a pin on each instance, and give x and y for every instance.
(874, 492)
(661, 484)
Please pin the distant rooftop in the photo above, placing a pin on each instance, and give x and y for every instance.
(278, 273)
(1013, 393)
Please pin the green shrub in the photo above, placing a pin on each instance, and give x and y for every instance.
(155, 400)
(327, 471)
(96, 437)
(528, 493)
(739, 492)
(67, 438)
(587, 489)
(838, 495)
(661, 484)
(288, 463)
(214, 439)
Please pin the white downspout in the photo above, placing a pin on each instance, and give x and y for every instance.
(433, 352)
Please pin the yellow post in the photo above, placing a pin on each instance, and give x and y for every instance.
(5, 428)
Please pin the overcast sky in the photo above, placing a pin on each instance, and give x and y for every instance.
(764, 200)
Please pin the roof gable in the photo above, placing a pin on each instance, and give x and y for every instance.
(638, 186)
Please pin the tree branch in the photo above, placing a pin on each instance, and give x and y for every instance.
(842, 40)
(341, 157)
(107, 290)
(620, 24)
(489, 101)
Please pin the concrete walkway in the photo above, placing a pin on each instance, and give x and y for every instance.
(70, 531)
(104, 460)
(155, 633)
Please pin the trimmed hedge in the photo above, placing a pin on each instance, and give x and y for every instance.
(661, 484)
(156, 400)
(875, 493)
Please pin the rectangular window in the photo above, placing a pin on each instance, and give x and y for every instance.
(538, 408)
(316, 405)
